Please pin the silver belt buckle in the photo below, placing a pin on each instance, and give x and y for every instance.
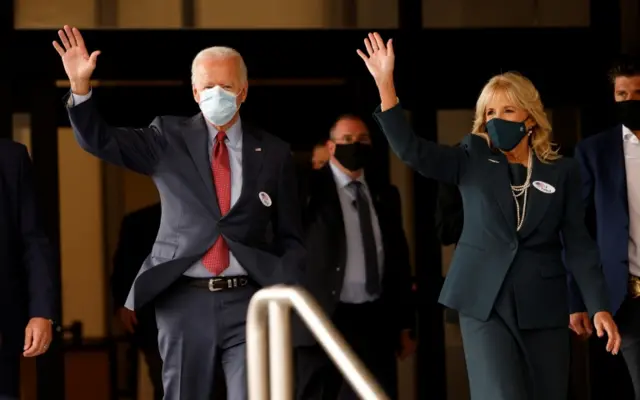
(211, 287)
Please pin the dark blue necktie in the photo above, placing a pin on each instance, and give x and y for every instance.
(368, 239)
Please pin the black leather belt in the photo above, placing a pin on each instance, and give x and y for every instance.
(217, 284)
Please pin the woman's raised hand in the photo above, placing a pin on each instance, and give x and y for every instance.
(379, 59)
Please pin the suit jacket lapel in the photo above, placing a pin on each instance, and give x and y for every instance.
(252, 156)
(620, 169)
(196, 137)
(501, 189)
(538, 201)
(332, 212)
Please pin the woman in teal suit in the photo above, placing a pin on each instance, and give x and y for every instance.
(522, 209)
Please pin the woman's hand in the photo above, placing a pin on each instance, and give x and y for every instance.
(380, 62)
(603, 322)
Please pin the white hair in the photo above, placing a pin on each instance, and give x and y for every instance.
(219, 52)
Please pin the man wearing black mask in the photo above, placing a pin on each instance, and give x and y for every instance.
(610, 163)
(358, 268)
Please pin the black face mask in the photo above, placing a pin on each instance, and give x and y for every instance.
(505, 135)
(353, 156)
(629, 114)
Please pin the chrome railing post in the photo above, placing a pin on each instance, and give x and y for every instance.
(280, 350)
(278, 300)
(257, 369)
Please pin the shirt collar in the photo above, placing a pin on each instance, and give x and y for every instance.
(342, 179)
(234, 133)
(628, 135)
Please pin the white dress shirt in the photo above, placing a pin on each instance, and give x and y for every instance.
(631, 146)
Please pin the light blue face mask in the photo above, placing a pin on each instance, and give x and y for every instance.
(218, 105)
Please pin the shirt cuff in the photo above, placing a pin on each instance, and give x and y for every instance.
(129, 303)
(77, 99)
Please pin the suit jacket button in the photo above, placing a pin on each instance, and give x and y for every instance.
(338, 269)
(333, 292)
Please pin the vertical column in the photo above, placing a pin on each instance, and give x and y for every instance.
(605, 20)
(188, 13)
(44, 150)
(6, 107)
(427, 258)
(630, 26)
(106, 13)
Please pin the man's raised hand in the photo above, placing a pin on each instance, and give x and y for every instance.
(78, 63)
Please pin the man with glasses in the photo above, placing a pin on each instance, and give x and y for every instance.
(358, 267)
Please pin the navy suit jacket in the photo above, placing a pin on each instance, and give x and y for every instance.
(27, 271)
(604, 190)
(265, 237)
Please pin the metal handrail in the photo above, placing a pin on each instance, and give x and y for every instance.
(270, 372)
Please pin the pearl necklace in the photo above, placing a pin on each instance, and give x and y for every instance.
(521, 190)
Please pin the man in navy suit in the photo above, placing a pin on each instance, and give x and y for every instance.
(610, 163)
(27, 290)
(230, 221)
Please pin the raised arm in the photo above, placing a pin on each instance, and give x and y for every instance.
(136, 149)
(434, 161)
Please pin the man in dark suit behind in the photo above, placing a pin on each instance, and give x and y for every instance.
(358, 268)
(610, 169)
(27, 277)
(137, 236)
(230, 220)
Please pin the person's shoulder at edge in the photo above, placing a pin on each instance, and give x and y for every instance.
(594, 140)
(11, 151)
(10, 145)
(566, 166)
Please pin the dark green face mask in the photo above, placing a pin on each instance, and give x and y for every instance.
(505, 135)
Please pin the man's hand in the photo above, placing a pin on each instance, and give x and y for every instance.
(78, 64)
(603, 322)
(580, 323)
(128, 319)
(408, 345)
(37, 337)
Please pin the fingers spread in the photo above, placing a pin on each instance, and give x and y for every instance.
(64, 40)
(367, 44)
(78, 37)
(374, 43)
(69, 32)
(379, 41)
(58, 48)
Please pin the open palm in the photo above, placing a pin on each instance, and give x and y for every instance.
(380, 58)
(78, 64)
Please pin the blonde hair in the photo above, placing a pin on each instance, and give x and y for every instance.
(521, 92)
